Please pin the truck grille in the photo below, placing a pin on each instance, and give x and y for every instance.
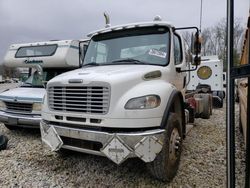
(83, 99)
(19, 107)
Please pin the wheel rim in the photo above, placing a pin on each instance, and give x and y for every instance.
(174, 145)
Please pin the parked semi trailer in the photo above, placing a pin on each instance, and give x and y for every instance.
(128, 99)
(242, 88)
(21, 107)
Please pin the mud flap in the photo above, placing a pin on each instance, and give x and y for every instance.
(51, 138)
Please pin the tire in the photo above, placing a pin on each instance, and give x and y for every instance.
(207, 108)
(3, 142)
(166, 163)
(211, 105)
(237, 99)
(240, 123)
(11, 127)
(221, 95)
(221, 106)
(63, 152)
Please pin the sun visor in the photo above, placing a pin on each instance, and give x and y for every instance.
(47, 54)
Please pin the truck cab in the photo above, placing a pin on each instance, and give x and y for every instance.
(209, 77)
(21, 106)
(126, 101)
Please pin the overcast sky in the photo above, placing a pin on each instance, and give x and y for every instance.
(41, 20)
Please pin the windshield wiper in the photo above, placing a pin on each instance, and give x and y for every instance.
(128, 60)
(118, 62)
(90, 64)
(31, 85)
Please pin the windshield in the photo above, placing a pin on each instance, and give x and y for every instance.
(148, 45)
(36, 80)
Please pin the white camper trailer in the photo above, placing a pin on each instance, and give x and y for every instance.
(21, 107)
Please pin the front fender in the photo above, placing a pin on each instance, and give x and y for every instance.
(175, 96)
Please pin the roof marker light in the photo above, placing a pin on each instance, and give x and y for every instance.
(157, 18)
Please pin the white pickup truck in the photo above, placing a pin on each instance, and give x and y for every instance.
(21, 107)
(128, 99)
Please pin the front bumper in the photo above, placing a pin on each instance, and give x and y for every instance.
(21, 120)
(117, 146)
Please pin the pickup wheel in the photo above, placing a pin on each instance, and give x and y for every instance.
(3, 142)
(237, 98)
(166, 163)
(63, 152)
(240, 122)
(11, 127)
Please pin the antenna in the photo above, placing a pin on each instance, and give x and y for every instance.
(200, 15)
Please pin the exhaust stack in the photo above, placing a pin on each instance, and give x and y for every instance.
(107, 20)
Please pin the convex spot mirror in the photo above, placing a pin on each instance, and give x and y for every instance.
(40, 73)
(196, 60)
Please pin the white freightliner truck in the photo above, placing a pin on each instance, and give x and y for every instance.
(21, 107)
(128, 99)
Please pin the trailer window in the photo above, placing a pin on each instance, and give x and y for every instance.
(36, 51)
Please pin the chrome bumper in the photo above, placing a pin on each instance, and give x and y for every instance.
(116, 146)
(21, 120)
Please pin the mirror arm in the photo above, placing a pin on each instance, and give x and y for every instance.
(178, 69)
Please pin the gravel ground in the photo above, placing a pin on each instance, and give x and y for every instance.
(27, 163)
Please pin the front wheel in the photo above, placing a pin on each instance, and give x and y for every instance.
(166, 164)
(3, 142)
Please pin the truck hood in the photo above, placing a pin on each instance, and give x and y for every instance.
(23, 94)
(111, 73)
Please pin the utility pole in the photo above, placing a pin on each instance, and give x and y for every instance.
(201, 15)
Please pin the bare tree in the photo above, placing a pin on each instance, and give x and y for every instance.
(8, 72)
(214, 40)
(187, 36)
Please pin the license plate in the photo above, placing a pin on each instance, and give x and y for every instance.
(51, 138)
(12, 121)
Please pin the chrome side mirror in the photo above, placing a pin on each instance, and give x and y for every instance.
(39, 69)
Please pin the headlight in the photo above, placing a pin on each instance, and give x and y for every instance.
(204, 72)
(2, 105)
(37, 106)
(145, 102)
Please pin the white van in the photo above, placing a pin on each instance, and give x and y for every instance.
(21, 107)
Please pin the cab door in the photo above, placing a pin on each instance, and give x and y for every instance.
(180, 63)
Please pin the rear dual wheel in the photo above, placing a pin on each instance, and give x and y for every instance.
(207, 109)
